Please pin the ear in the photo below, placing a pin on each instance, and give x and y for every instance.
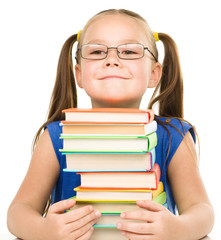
(78, 75)
(155, 75)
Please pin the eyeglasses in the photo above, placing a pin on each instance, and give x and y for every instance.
(128, 51)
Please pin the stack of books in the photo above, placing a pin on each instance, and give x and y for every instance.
(113, 151)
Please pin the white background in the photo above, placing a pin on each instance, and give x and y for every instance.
(31, 36)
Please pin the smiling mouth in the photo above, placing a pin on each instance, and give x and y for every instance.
(113, 77)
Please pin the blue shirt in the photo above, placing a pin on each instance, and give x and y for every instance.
(67, 181)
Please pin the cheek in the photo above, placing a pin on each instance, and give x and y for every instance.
(87, 73)
(89, 84)
(89, 69)
(141, 73)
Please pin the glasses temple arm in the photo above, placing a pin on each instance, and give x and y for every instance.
(151, 53)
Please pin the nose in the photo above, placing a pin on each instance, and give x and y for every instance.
(112, 59)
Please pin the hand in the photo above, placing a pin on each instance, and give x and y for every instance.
(75, 224)
(159, 223)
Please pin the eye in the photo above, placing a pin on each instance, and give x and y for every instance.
(97, 52)
(127, 52)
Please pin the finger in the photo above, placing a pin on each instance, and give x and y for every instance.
(77, 233)
(76, 214)
(150, 205)
(60, 207)
(141, 228)
(142, 215)
(87, 235)
(93, 216)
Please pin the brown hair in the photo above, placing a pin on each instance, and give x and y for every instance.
(170, 88)
(64, 94)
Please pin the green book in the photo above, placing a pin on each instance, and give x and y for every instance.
(161, 198)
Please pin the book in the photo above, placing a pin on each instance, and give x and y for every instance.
(117, 194)
(79, 143)
(113, 194)
(113, 151)
(122, 179)
(114, 115)
(107, 205)
(157, 192)
(161, 198)
(110, 161)
(107, 233)
(109, 129)
(112, 218)
(113, 206)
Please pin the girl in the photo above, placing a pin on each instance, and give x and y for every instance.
(117, 60)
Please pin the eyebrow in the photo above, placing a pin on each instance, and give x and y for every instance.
(99, 41)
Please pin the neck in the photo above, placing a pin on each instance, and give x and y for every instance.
(97, 104)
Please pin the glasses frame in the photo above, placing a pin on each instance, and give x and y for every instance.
(106, 53)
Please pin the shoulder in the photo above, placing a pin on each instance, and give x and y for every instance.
(54, 126)
(174, 128)
(55, 130)
(170, 134)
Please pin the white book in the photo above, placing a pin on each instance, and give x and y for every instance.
(95, 129)
(113, 115)
(84, 143)
(110, 161)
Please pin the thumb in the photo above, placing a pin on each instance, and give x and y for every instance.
(61, 206)
(150, 205)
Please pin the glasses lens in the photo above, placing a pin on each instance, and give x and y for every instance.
(130, 51)
(94, 51)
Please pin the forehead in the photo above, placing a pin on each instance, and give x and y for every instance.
(115, 29)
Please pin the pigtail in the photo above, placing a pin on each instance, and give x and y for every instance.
(170, 88)
(64, 94)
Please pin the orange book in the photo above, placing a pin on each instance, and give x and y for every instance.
(122, 179)
(108, 115)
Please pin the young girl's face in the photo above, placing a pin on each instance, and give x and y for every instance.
(115, 82)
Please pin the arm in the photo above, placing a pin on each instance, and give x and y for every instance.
(25, 212)
(196, 213)
(196, 216)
